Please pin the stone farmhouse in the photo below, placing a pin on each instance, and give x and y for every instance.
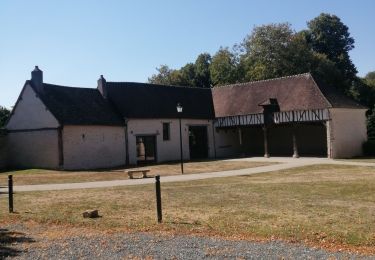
(124, 123)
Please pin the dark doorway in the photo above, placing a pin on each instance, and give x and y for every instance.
(252, 141)
(312, 139)
(198, 142)
(146, 149)
(280, 140)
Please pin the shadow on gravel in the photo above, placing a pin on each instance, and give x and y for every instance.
(7, 239)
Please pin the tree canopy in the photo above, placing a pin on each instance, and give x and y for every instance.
(329, 36)
(4, 115)
(224, 68)
(192, 74)
(370, 79)
(276, 50)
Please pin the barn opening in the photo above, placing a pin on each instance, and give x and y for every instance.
(198, 142)
(311, 140)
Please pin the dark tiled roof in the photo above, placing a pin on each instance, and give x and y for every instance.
(78, 106)
(299, 92)
(141, 100)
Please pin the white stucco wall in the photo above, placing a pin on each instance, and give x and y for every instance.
(31, 113)
(347, 132)
(166, 150)
(36, 149)
(227, 143)
(92, 147)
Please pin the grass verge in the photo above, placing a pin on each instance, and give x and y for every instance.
(38, 176)
(330, 206)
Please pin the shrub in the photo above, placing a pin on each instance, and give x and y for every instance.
(369, 148)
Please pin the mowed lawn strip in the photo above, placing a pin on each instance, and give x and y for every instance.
(326, 205)
(359, 159)
(37, 176)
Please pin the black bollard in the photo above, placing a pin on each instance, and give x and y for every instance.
(158, 198)
(10, 193)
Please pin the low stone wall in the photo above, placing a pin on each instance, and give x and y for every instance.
(3, 150)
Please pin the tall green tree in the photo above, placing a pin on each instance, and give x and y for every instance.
(264, 51)
(187, 76)
(167, 76)
(163, 76)
(370, 79)
(224, 67)
(192, 74)
(275, 50)
(4, 116)
(329, 36)
(369, 146)
(371, 126)
(362, 93)
(202, 70)
(363, 90)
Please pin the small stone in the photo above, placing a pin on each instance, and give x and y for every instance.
(91, 213)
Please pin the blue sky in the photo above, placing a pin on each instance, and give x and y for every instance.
(75, 41)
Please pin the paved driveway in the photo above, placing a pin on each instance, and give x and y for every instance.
(284, 163)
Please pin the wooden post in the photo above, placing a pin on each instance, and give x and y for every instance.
(158, 198)
(10, 193)
(295, 146)
(213, 138)
(240, 135)
(265, 135)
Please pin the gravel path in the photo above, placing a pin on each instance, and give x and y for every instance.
(152, 246)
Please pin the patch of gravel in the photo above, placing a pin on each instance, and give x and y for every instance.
(152, 246)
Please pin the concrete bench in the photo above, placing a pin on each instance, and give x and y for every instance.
(143, 171)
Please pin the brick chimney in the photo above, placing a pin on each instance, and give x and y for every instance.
(37, 79)
(102, 86)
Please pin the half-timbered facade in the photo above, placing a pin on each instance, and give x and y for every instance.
(288, 116)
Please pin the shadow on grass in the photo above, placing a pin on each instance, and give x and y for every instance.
(3, 190)
(8, 238)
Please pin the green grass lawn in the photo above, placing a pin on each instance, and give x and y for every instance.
(321, 204)
(38, 176)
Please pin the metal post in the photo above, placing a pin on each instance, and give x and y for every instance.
(158, 198)
(10, 193)
(182, 160)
